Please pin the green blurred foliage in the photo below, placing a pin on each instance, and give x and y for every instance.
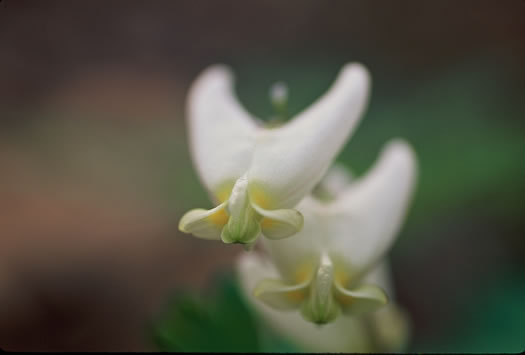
(493, 321)
(217, 322)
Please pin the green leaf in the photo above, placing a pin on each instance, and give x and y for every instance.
(219, 322)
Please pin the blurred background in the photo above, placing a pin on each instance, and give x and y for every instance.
(95, 170)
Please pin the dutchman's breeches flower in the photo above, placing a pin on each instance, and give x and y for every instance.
(257, 174)
(386, 330)
(345, 235)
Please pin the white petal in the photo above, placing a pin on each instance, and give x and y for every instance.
(344, 334)
(220, 130)
(205, 224)
(390, 323)
(299, 254)
(278, 224)
(289, 161)
(362, 299)
(336, 179)
(380, 275)
(259, 278)
(391, 328)
(252, 268)
(280, 295)
(369, 213)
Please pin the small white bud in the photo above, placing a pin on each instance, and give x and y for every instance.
(279, 94)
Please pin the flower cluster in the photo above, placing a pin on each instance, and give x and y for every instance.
(325, 232)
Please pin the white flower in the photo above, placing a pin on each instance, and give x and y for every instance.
(385, 330)
(322, 267)
(256, 175)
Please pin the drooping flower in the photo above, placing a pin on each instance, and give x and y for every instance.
(322, 267)
(386, 330)
(257, 175)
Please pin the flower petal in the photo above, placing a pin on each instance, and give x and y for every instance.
(205, 224)
(300, 253)
(289, 161)
(362, 299)
(320, 308)
(336, 179)
(220, 130)
(278, 224)
(280, 295)
(252, 268)
(380, 275)
(243, 230)
(367, 216)
(391, 326)
(243, 225)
